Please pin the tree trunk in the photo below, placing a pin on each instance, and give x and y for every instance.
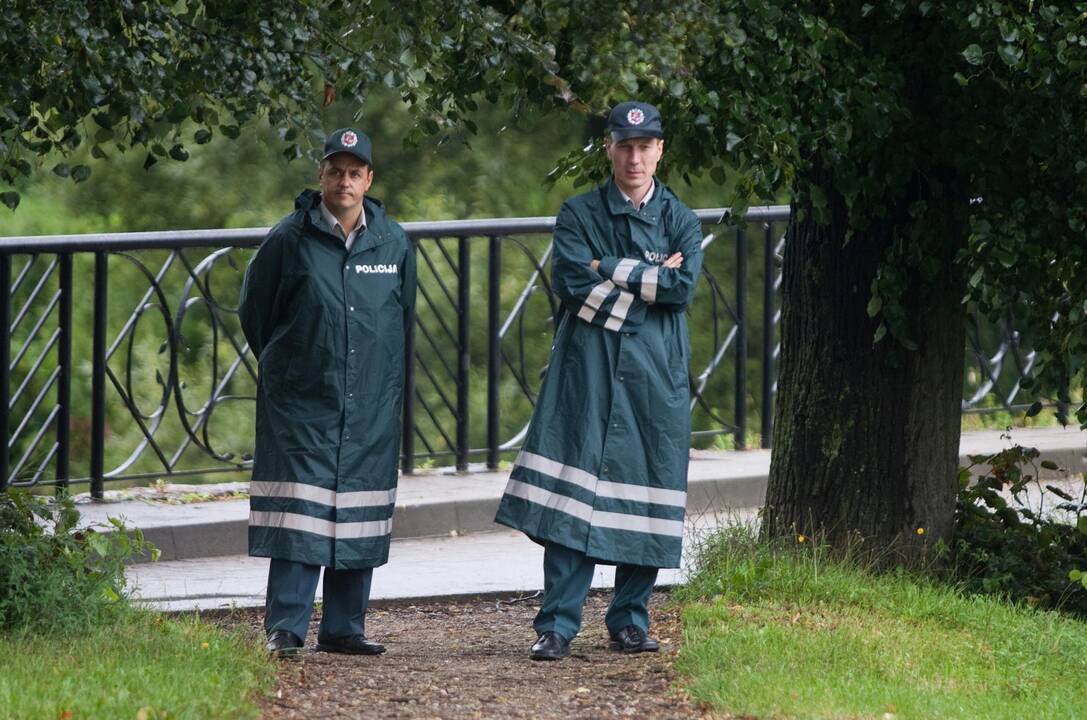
(866, 436)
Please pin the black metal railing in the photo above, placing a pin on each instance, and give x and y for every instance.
(147, 323)
(122, 359)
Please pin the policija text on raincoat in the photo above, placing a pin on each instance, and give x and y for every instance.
(327, 325)
(604, 466)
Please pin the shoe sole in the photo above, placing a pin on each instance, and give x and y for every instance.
(286, 653)
(343, 651)
(548, 658)
(616, 647)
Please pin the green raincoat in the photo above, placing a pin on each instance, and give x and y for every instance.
(604, 466)
(327, 325)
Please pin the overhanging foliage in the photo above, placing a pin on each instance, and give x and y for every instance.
(917, 116)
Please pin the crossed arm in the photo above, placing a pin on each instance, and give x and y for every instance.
(614, 292)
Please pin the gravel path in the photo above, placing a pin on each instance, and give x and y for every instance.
(469, 659)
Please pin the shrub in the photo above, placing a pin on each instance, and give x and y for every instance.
(54, 575)
(1033, 548)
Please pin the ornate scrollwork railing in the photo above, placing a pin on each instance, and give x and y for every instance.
(122, 357)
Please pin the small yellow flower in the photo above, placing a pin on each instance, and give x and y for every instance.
(800, 538)
(920, 531)
(204, 646)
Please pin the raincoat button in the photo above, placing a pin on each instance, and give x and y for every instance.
(352, 308)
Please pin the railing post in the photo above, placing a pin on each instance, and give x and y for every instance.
(5, 366)
(98, 373)
(768, 308)
(741, 337)
(407, 433)
(494, 359)
(64, 361)
(463, 353)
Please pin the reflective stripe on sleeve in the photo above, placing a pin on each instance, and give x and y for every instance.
(619, 311)
(595, 300)
(623, 270)
(649, 284)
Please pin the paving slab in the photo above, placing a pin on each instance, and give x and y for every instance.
(446, 503)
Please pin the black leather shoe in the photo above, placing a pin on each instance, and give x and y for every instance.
(550, 646)
(350, 645)
(632, 639)
(283, 643)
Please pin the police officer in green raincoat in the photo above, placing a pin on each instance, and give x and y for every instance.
(602, 476)
(323, 306)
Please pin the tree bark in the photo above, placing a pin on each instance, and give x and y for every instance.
(866, 436)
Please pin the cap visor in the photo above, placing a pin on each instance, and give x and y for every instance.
(628, 133)
(359, 155)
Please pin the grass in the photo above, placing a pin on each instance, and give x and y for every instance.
(146, 666)
(789, 633)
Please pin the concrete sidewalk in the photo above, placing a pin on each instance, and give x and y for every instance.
(445, 540)
(496, 562)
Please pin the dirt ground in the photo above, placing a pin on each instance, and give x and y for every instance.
(469, 659)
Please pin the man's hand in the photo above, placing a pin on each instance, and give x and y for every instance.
(595, 265)
(674, 261)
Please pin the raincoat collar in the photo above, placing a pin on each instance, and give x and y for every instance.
(375, 232)
(650, 214)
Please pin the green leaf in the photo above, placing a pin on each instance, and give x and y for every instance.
(1010, 54)
(80, 173)
(973, 54)
(1034, 409)
(202, 136)
(735, 37)
(11, 199)
(231, 131)
(1081, 525)
(149, 161)
(1008, 32)
(98, 543)
(62, 170)
(178, 152)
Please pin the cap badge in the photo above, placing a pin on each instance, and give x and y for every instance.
(635, 116)
(349, 139)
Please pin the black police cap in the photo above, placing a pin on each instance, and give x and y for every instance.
(349, 140)
(634, 119)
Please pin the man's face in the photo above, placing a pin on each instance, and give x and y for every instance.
(344, 181)
(634, 162)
